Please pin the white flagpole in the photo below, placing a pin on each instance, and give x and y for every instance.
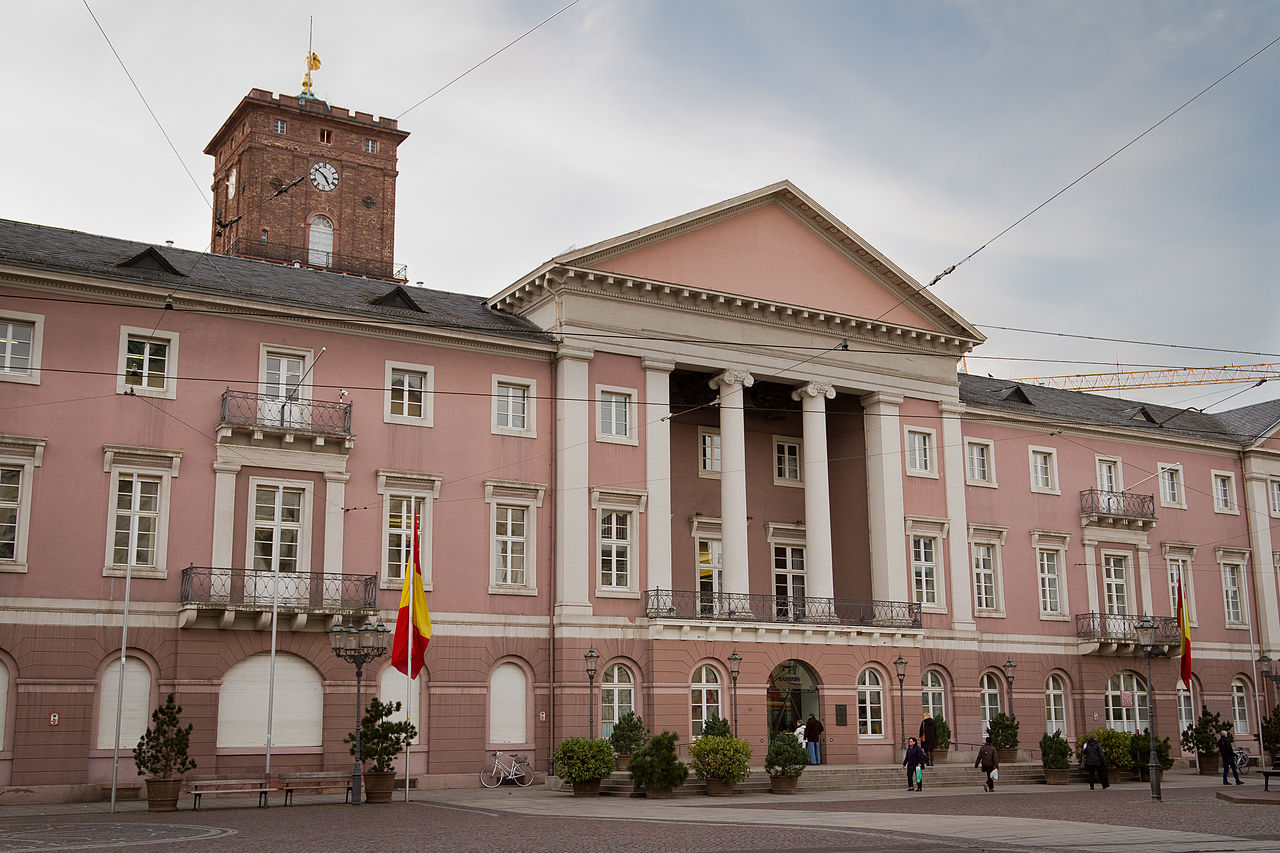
(124, 648)
(408, 668)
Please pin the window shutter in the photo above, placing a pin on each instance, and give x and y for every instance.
(298, 706)
(135, 711)
(507, 705)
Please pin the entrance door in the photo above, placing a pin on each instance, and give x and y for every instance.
(792, 697)
(1109, 485)
(279, 406)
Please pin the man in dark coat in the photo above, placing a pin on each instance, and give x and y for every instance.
(914, 759)
(928, 736)
(989, 761)
(812, 732)
(1094, 762)
(1228, 753)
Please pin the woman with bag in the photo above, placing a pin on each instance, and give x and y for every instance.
(1094, 762)
(914, 762)
(989, 761)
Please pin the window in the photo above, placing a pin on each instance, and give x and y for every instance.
(1055, 705)
(708, 452)
(148, 363)
(21, 338)
(1048, 564)
(710, 575)
(1273, 487)
(615, 549)
(326, 136)
(510, 541)
(410, 389)
(979, 462)
(279, 125)
(1171, 491)
(137, 520)
(513, 509)
(1186, 713)
(1044, 470)
(617, 696)
(284, 388)
(1179, 558)
(135, 709)
(704, 697)
(920, 459)
(393, 687)
(989, 699)
(5, 680)
(19, 457)
(403, 512)
(139, 514)
(508, 701)
(984, 577)
(932, 694)
(1233, 593)
(298, 706)
(924, 570)
(787, 461)
(279, 542)
(1240, 706)
(371, 146)
(1110, 487)
(870, 704)
(617, 415)
(1126, 703)
(320, 241)
(1115, 576)
(1224, 492)
(11, 511)
(513, 412)
(788, 581)
(262, 237)
(404, 495)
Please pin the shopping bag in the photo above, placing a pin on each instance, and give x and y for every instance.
(919, 774)
(995, 775)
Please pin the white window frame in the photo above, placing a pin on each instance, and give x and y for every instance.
(124, 461)
(915, 438)
(169, 390)
(419, 487)
(791, 538)
(1052, 487)
(1055, 542)
(32, 376)
(937, 529)
(530, 386)
(989, 453)
(1055, 703)
(710, 453)
(617, 697)
(509, 493)
(871, 711)
(280, 126)
(631, 503)
(266, 351)
(631, 433)
(984, 537)
(1227, 479)
(1126, 562)
(370, 145)
(1240, 706)
(1231, 565)
(700, 690)
(1184, 554)
(1273, 492)
(709, 531)
(326, 136)
(933, 687)
(782, 447)
(1119, 718)
(428, 373)
(1172, 471)
(990, 699)
(26, 455)
(306, 523)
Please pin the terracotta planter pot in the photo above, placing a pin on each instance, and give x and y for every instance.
(162, 794)
(589, 788)
(657, 793)
(1056, 777)
(783, 784)
(1210, 763)
(719, 788)
(621, 760)
(378, 786)
(940, 755)
(1007, 756)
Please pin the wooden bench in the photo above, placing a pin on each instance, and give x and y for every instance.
(318, 781)
(1266, 778)
(261, 787)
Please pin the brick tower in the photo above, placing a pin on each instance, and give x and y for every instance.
(298, 181)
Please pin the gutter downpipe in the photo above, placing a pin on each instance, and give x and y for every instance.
(552, 659)
(1258, 687)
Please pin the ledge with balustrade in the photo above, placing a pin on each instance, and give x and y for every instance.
(781, 611)
(287, 417)
(1128, 510)
(1118, 635)
(227, 594)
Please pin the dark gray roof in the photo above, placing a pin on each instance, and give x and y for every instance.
(39, 246)
(1241, 426)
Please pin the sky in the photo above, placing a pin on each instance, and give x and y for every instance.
(927, 126)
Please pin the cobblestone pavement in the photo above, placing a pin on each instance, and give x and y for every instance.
(50, 835)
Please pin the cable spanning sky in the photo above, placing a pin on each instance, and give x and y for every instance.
(927, 127)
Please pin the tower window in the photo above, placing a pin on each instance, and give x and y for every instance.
(280, 126)
(326, 136)
(371, 146)
(264, 236)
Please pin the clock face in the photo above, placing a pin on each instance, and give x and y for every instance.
(324, 176)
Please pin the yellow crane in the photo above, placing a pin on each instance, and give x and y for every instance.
(1169, 378)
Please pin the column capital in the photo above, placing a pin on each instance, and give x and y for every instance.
(658, 365)
(952, 408)
(574, 353)
(732, 376)
(880, 398)
(814, 389)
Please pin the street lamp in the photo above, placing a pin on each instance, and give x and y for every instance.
(735, 665)
(900, 666)
(358, 646)
(1146, 629)
(1009, 667)
(1264, 663)
(592, 658)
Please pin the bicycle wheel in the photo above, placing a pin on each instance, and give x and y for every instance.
(1243, 762)
(524, 775)
(491, 776)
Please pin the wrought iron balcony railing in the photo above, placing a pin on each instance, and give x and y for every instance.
(371, 267)
(1125, 504)
(758, 607)
(259, 411)
(1110, 628)
(293, 591)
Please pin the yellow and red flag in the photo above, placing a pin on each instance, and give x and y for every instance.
(413, 622)
(1184, 631)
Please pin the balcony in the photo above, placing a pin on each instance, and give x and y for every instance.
(802, 611)
(301, 256)
(1118, 635)
(317, 419)
(232, 593)
(1125, 510)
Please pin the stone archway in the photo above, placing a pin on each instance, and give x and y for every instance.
(792, 696)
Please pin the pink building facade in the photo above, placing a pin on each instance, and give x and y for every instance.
(740, 430)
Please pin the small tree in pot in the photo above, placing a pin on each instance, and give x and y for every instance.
(627, 736)
(381, 740)
(1271, 735)
(944, 739)
(1140, 753)
(720, 761)
(583, 762)
(161, 756)
(656, 768)
(1003, 731)
(1202, 737)
(785, 762)
(1055, 752)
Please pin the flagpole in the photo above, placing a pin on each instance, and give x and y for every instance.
(408, 670)
(124, 648)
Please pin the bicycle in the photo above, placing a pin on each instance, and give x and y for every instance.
(517, 769)
(1243, 759)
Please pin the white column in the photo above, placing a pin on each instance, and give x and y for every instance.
(1261, 561)
(733, 478)
(819, 570)
(951, 457)
(657, 460)
(1091, 572)
(224, 512)
(890, 579)
(1144, 579)
(573, 511)
(335, 487)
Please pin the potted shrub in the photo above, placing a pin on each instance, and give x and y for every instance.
(785, 762)
(1116, 747)
(1140, 753)
(944, 739)
(1202, 737)
(381, 740)
(583, 762)
(1003, 731)
(716, 726)
(720, 761)
(1055, 753)
(1271, 735)
(161, 756)
(656, 768)
(627, 736)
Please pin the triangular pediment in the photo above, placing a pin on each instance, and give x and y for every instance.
(149, 259)
(397, 297)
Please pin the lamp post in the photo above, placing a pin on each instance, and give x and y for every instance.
(1264, 663)
(358, 646)
(900, 666)
(1146, 629)
(1009, 667)
(592, 658)
(735, 665)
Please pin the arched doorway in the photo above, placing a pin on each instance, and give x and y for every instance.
(792, 696)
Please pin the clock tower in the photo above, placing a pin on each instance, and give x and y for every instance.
(296, 180)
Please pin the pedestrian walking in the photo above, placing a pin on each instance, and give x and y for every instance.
(989, 761)
(1228, 758)
(928, 736)
(812, 734)
(1094, 762)
(914, 762)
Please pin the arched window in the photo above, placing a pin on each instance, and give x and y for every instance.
(135, 711)
(320, 242)
(392, 688)
(4, 704)
(1055, 705)
(932, 694)
(508, 700)
(1186, 709)
(704, 697)
(617, 696)
(870, 704)
(1240, 706)
(989, 699)
(1126, 703)
(298, 706)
